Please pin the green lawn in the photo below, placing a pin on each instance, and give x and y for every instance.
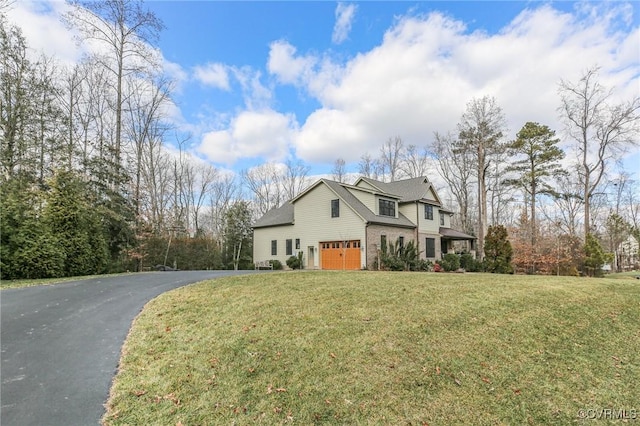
(382, 348)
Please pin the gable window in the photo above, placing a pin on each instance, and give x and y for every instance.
(441, 219)
(289, 248)
(335, 208)
(386, 208)
(430, 245)
(274, 247)
(428, 212)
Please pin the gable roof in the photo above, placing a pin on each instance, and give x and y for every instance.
(284, 215)
(407, 190)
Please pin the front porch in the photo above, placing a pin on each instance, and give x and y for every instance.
(452, 241)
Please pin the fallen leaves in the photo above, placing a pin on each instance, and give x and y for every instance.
(168, 397)
(270, 389)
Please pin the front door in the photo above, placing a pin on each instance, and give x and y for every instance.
(444, 246)
(311, 258)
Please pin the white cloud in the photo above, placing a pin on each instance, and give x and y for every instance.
(419, 79)
(255, 94)
(345, 13)
(42, 28)
(286, 66)
(213, 74)
(251, 134)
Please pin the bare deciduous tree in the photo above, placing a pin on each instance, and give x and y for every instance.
(295, 178)
(414, 162)
(338, 173)
(391, 156)
(457, 171)
(481, 130)
(127, 30)
(600, 130)
(369, 167)
(264, 185)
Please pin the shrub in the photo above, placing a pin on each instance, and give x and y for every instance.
(498, 251)
(424, 265)
(276, 264)
(469, 263)
(295, 262)
(451, 262)
(594, 257)
(396, 258)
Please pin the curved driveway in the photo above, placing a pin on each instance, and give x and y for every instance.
(61, 344)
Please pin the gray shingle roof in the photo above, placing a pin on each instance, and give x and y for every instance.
(278, 216)
(452, 234)
(408, 189)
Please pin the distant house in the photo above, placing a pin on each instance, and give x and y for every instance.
(340, 226)
(628, 254)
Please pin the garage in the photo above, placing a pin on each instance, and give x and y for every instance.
(340, 255)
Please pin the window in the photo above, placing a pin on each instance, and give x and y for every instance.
(430, 252)
(386, 208)
(401, 244)
(441, 219)
(274, 247)
(335, 208)
(297, 243)
(289, 248)
(383, 243)
(428, 212)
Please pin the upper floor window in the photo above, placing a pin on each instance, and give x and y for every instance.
(428, 212)
(441, 219)
(386, 208)
(335, 208)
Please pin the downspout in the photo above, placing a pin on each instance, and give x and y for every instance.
(366, 245)
(418, 227)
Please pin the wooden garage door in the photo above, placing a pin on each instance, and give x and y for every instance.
(340, 254)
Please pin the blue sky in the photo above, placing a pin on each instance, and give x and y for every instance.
(316, 81)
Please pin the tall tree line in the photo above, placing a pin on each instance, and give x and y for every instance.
(93, 141)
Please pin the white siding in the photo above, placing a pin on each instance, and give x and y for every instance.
(363, 184)
(427, 226)
(314, 224)
(431, 195)
(365, 197)
(262, 238)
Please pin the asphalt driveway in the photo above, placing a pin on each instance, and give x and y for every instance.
(61, 344)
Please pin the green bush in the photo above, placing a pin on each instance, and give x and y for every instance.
(469, 263)
(424, 265)
(450, 262)
(295, 262)
(594, 257)
(397, 258)
(276, 264)
(498, 251)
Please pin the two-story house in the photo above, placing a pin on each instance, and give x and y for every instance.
(340, 226)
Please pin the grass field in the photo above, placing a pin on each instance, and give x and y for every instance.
(383, 348)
